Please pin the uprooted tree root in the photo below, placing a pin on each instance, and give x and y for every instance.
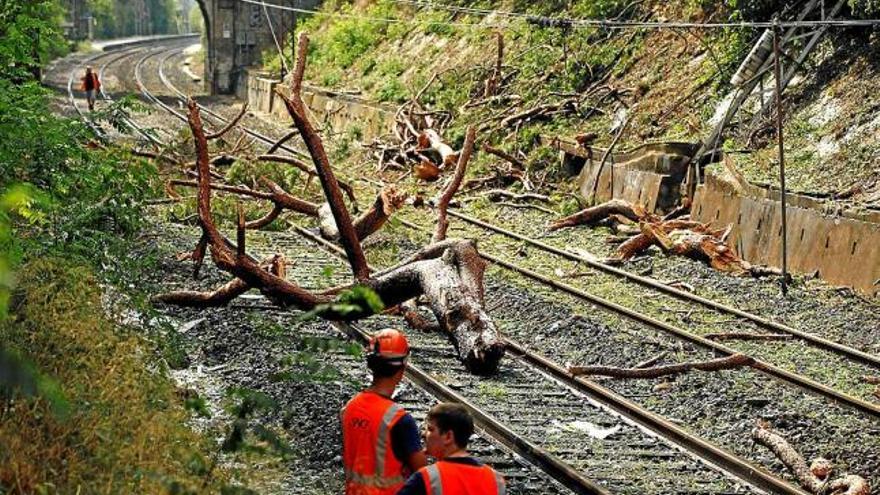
(817, 477)
(447, 274)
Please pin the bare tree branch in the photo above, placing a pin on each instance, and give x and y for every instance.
(460, 168)
(296, 108)
(232, 123)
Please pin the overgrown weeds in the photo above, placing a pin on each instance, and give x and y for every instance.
(125, 428)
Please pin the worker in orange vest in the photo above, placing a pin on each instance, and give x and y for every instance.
(91, 85)
(380, 440)
(448, 429)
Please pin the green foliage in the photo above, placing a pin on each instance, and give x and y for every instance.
(351, 303)
(437, 23)
(19, 378)
(868, 9)
(249, 172)
(118, 18)
(105, 418)
(349, 39)
(30, 36)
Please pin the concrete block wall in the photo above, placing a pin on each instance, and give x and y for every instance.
(649, 175)
(329, 109)
(843, 250)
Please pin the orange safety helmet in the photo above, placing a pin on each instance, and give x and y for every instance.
(389, 345)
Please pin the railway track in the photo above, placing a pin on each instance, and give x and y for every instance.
(828, 354)
(554, 372)
(561, 426)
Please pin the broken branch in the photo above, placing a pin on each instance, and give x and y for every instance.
(449, 192)
(725, 363)
(232, 123)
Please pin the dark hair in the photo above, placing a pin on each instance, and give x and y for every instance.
(383, 368)
(449, 416)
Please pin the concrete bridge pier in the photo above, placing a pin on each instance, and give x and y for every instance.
(238, 33)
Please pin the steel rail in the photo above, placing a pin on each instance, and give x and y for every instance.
(250, 132)
(774, 371)
(702, 449)
(122, 54)
(697, 446)
(544, 460)
(766, 368)
(855, 354)
(147, 93)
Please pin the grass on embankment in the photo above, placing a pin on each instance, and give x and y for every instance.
(116, 424)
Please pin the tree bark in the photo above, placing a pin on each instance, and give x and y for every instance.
(454, 184)
(595, 214)
(726, 363)
(296, 109)
(429, 138)
(448, 274)
(816, 478)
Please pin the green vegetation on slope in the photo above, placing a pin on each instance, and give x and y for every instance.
(86, 403)
(666, 84)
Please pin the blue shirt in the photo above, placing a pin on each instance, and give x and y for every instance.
(405, 438)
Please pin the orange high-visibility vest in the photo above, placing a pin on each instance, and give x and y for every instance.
(370, 465)
(452, 478)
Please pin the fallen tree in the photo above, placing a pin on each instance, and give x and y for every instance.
(641, 371)
(676, 236)
(817, 477)
(447, 274)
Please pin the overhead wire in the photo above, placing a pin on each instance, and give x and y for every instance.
(275, 38)
(577, 22)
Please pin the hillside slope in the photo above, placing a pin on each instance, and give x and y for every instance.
(664, 83)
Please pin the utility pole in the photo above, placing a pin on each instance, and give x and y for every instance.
(777, 76)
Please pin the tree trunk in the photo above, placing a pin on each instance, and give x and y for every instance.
(594, 214)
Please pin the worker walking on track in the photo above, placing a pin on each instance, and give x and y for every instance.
(380, 440)
(448, 430)
(91, 85)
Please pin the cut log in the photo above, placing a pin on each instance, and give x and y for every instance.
(849, 485)
(426, 171)
(387, 202)
(725, 363)
(450, 275)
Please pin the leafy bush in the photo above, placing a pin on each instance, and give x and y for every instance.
(30, 36)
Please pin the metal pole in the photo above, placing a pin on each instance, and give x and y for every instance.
(777, 76)
(293, 35)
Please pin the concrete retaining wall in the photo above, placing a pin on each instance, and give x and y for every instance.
(329, 109)
(649, 175)
(843, 250)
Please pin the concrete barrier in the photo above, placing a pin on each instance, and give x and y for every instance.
(649, 175)
(329, 109)
(111, 45)
(841, 249)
